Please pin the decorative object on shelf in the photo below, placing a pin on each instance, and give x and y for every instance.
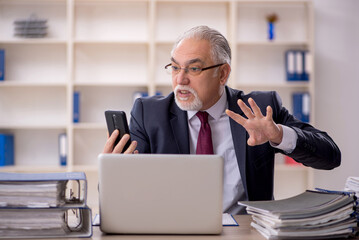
(2, 64)
(298, 65)
(32, 27)
(291, 161)
(6, 149)
(271, 19)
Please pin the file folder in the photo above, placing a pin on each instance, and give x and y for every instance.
(76, 106)
(6, 149)
(44, 205)
(63, 149)
(2, 64)
(301, 106)
(298, 65)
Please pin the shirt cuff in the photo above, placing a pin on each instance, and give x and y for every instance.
(289, 141)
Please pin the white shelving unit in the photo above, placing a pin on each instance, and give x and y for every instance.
(108, 50)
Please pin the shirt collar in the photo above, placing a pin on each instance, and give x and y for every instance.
(216, 110)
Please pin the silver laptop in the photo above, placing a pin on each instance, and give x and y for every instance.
(160, 194)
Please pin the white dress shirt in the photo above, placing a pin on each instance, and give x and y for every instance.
(233, 190)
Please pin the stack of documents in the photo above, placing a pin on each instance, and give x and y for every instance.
(310, 215)
(44, 205)
(32, 27)
(352, 185)
(32, 194)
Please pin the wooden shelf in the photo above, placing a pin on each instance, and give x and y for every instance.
(110, 50)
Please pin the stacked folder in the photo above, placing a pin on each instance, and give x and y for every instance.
(352, 184)
(33, 27)
(310, 215)
(44, 205)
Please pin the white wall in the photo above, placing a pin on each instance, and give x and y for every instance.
(337, 84)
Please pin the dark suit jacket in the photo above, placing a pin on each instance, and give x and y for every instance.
(159, 126)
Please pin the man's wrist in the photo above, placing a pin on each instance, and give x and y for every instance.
(289, 140)
(278, 139)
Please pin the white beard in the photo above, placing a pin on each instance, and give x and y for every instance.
(195, 105)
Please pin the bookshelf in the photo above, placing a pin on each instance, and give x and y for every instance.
(108, 50)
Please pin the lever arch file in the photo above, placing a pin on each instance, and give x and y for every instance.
(2, 64)
(44, 205)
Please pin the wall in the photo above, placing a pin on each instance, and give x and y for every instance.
(337, 84)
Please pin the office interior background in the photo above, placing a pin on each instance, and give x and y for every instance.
(36, 112)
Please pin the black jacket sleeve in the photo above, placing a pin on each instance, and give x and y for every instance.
(314, 148)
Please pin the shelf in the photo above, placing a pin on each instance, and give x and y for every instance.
(34, 126)
(108, 20)
(112, 41)
(109, 84)
(273, 43)
(33, 169)
(89, 126)
(290, 168)
(110, 51)
(86, 168)
(20, 84)
(35, 41)
(32, 58)
(111, 63)
(174, 17)
(292, 85)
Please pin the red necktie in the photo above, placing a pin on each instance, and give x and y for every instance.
(204, 142)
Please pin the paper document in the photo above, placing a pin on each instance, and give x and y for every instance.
(227, 220)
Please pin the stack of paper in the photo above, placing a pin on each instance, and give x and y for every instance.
(32, 27)
(352, 184)
(310, 215)
(32, 194)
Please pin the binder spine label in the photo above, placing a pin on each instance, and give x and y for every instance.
(63, 149)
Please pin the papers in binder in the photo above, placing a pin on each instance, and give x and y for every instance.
(42, 190)
(45, 222)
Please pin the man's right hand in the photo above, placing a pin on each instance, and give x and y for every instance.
(110, 148)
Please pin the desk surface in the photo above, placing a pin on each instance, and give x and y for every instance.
(243, 231)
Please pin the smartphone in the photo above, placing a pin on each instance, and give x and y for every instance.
(117, 120)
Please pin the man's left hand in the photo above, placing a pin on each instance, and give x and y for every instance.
(261, 129)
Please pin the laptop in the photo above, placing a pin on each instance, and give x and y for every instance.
(160, 194)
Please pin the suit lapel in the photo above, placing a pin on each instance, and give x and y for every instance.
(178, 120)
(239, 134)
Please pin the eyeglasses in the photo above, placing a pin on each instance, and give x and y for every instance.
(194, 71)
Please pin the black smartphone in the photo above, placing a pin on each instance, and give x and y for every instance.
(117, 120)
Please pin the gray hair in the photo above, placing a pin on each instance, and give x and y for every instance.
(220, 50)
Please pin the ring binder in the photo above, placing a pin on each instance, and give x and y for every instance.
(44, 205)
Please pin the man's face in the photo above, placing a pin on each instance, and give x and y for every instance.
(206, 86)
